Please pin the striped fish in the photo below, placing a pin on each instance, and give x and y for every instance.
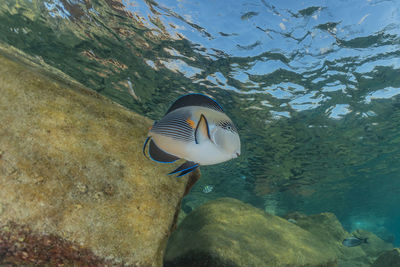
(195, 128)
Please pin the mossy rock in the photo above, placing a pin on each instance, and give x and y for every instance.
(327, 227)
(388, 259)
(75, 188)
(228, 232)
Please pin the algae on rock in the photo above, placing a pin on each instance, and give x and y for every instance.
(228, 232)
(388, 259)
(72, 169)
(328, 228)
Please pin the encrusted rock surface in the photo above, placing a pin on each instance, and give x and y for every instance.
(74, 185)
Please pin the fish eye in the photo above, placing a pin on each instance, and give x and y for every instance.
(231, 127)
(228, 126)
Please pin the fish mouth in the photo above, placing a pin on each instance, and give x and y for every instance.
(235, 155)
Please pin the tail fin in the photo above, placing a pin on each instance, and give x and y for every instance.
(144, 146)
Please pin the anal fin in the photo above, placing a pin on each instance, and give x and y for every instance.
(159, 155)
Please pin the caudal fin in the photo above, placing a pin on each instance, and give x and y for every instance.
(144, 146)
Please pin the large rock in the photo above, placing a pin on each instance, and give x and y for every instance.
(388, 259)
(227, 232)
(75, 188)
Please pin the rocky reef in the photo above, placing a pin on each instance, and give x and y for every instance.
(388, 259)
(327, 227)
(228, 232)
(75, 188)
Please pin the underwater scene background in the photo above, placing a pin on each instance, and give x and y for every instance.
(312, 86)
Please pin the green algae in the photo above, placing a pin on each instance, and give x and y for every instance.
(228, 232)
(72, 166)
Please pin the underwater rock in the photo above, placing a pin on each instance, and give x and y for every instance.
(375, 245)
(181, 216)
(75, 188)
(388, 259)
(228, 232)
(327, 227)
(324, 226)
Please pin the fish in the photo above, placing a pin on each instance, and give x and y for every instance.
(195, 128)
(249, 15)
(353, 241)
(208, 189)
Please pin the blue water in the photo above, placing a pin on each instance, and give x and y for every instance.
(312, 86)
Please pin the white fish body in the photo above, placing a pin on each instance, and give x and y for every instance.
(206, 152)
(195, 128)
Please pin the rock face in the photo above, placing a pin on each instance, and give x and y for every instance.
(227, 232)
(388, 259)
(74, 185)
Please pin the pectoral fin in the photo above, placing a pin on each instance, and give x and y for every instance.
(202, 132)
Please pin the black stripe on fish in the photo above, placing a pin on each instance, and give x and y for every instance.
(227, 125)
(167, 123)
(159, 155)
(175, 134)
(188, 165)
(175, 126)
(195, 100)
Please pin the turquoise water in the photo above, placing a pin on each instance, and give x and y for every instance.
(313, 88)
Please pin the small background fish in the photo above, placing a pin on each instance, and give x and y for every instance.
(208, 189)
(249, 15)
(354, 241)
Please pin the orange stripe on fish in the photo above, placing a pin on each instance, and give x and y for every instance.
(191, 123)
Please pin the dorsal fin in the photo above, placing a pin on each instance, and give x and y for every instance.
(195, 100)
